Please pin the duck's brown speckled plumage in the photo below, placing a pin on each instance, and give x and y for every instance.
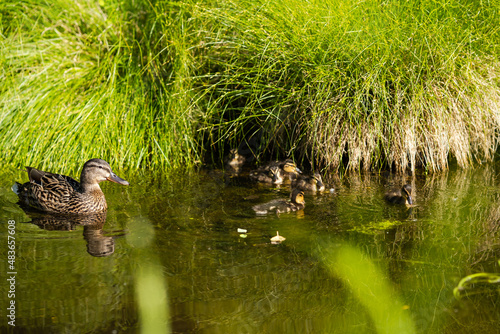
(58, 193)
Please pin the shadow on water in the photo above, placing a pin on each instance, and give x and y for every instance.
(168, 257)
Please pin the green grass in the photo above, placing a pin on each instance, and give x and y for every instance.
(77, 87)
(337, 84)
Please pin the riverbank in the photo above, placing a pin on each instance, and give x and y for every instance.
(339, 85)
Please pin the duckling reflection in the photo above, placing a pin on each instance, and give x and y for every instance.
(400, 196)
(296, 203)
(311, 183)
(97, 243)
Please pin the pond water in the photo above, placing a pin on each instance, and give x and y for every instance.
(168, 257)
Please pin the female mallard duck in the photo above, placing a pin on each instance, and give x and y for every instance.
(313, 182)
(296, 202)
(402, 196)
(59, 193)
(287, 170)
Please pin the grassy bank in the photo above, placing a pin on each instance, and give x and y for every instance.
(82, 81)
(338, 84)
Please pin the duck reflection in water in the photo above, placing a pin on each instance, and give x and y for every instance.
(98, 244)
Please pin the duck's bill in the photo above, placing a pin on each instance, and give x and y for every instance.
(115, 178)
(410, 201)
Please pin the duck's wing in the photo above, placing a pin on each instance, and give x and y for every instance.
(50, 180)
(48, 191)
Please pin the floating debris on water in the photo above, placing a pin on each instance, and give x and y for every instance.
(242, 232)
(277, 238)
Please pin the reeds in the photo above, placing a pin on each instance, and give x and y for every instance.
(341, 84)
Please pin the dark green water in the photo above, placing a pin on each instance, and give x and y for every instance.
(172, 255)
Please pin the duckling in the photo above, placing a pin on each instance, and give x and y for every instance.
(273, 175)
(288, 171)
(296, 202)
(402, 196)
(61, 194)
(235, 159)
(313, 182)
(233, 164)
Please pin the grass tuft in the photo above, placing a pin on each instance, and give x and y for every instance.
(345, 85)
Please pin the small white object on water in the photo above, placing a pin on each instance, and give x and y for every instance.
(242, 230)
(332, 190)
(277, 238)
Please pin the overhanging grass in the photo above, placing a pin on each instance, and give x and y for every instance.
(340, 84)
(385, 84)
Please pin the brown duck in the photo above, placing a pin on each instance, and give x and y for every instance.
(58, 193)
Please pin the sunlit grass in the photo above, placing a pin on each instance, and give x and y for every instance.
(398, 84)
(340, 84)
(77, 85)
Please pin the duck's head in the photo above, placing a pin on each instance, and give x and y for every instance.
(290, 167)
(406, 191)
(318, 181)
(297, 196)
(98, 170)
(276, 174)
